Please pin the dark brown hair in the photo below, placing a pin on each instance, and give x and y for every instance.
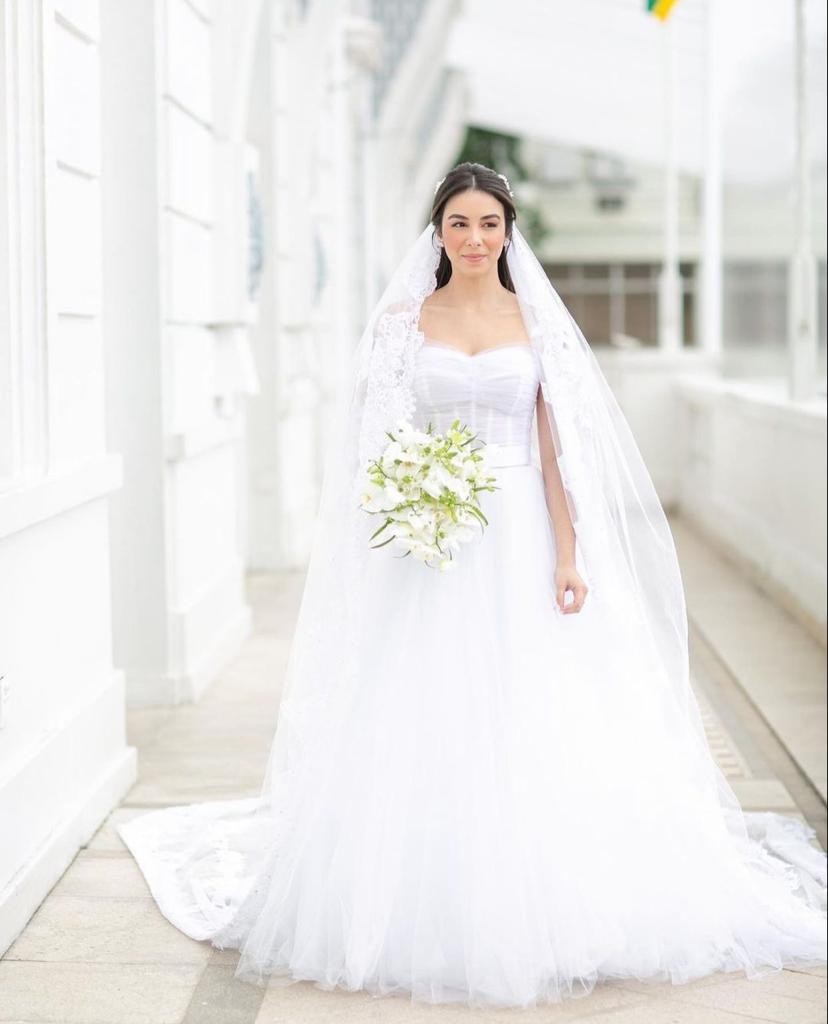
(460, 179)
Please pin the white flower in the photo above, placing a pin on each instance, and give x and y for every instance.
(433, 484)
(409, 437)
(409, 463)
(460, 535)
(390, 496)
(389, 457)
(470, 469)
(458, 487)
(371, 498)
(427, 485)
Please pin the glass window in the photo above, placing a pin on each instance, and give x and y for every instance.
(641, 317)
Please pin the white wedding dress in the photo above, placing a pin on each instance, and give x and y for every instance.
(490, 816)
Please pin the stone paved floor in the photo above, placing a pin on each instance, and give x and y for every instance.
(97, 951)
(777, 662)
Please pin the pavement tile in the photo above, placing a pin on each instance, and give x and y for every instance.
(106, 839)
(221, 999)
(70, 929)
(144, 724)
(670, 1011)
(797, 984)
(95, 993)
(765, 1002)
(764, 795)
(97, 877)
(776, 661)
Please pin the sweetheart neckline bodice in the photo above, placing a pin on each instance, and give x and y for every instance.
(433, 343)
(492, 391)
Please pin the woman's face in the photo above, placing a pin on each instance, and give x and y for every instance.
(473, 230)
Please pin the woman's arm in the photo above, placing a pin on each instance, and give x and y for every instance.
(566, 576)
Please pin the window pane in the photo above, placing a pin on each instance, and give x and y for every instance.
(595, 321)
(689, 317)
(755, 315)
(556, 271)
(641, 319)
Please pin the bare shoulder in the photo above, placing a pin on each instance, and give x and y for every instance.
(433, 301)
(431, 308)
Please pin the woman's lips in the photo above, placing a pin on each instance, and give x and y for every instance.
(474, 259)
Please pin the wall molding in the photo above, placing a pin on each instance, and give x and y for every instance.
(54, 495)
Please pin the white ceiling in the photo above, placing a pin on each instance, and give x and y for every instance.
(591, 73)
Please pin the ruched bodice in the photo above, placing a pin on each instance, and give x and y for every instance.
(492, 392)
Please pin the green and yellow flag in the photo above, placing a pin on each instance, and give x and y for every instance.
(660, 8)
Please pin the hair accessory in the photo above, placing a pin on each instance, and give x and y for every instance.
(502, 176)
(508, 186)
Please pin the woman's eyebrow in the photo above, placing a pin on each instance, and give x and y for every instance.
(488, 216)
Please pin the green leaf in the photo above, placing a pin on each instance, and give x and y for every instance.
(374, 546)
(377, 532)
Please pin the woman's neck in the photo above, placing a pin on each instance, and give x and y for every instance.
(474, 295)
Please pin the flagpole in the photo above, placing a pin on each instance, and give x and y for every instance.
(669, 281)
(802, 276)
(711, 251)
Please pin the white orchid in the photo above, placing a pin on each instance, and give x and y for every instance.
(381, 498)
(409, 436)
(426, 486)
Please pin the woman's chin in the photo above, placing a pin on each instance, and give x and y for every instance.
(467, 267)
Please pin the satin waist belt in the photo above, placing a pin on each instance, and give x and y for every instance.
(501, 455)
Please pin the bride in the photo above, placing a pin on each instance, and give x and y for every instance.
(489, 785)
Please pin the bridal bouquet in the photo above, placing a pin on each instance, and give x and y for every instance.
(426, 486)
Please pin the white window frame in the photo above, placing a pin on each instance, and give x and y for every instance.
(23, 292)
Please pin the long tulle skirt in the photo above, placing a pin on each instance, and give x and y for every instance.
(505, 809)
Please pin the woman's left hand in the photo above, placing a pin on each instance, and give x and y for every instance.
(567, 578)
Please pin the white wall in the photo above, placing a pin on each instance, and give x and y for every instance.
(753, 479)
(742, 463)
(64, 762)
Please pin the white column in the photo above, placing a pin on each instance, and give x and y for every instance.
(669, 281)
(617, 300)
(711, 249)
(364, 51)
(340, 246)
(357, 55)
(23, 291)
(235, 34)
(802, 272)
(132, 311)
